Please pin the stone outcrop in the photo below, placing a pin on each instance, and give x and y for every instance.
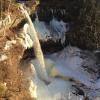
(12, 80)
(84, 19)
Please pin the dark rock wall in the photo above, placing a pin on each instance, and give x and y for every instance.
(71, 7)
(83, 16)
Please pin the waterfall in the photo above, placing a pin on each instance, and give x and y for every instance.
(72, 70)
(37, 48)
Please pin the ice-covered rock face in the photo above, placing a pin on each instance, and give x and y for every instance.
(54, 30)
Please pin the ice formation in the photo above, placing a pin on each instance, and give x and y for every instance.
(58, 89)
(37, 48)
(53, 30)
(3, 57)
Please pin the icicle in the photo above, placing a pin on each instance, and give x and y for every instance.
(52, 11)
(55, 11)
(81, 98)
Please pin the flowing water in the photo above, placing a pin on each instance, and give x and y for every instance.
(53, 30)
(37, 48)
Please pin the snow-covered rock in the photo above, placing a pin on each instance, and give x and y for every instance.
(54, 30)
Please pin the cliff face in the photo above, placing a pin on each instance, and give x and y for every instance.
(13, 83)
(11, 51)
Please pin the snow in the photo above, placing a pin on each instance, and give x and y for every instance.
(98, 83)
(68, 72)
(54, 30)
(9, 44)
(73, 64)
(6, 21)
(61, 67)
